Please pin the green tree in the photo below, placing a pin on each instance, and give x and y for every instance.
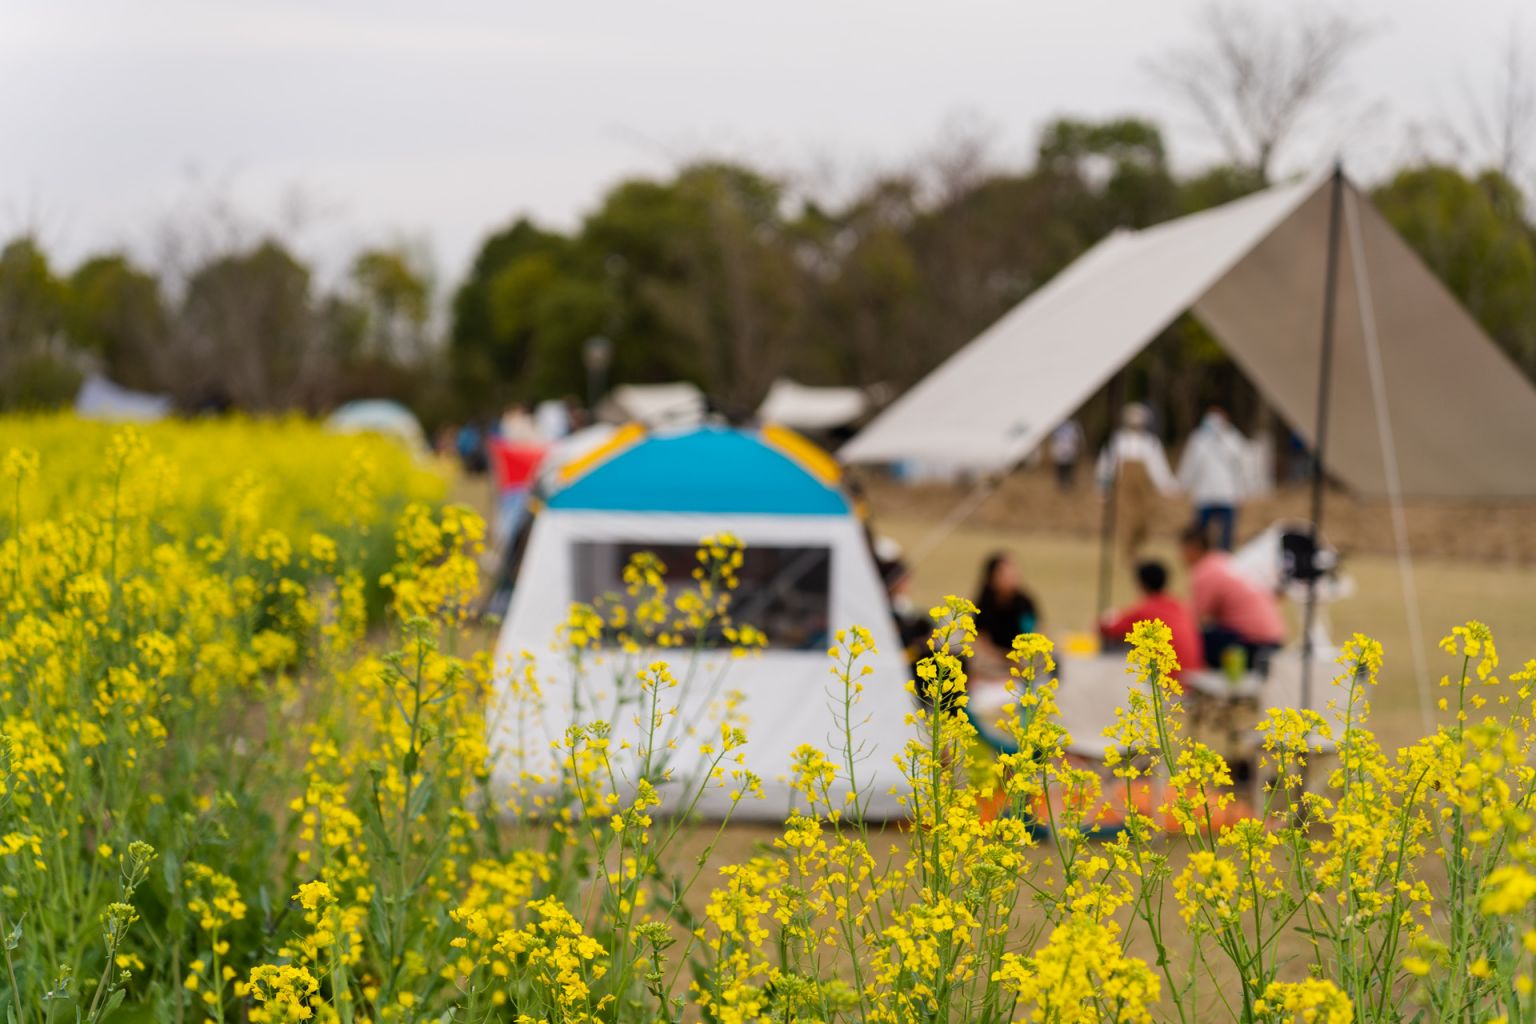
(394, 292)
(706, 278)
(1128, 155)
(1217, 185)
(487, 352)
(36, 365)
(693, 278)
(115, 310)
(864, 299)
(995, 238)
(542, 314)
(568, 313)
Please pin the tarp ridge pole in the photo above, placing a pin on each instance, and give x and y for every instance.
(1115, 399)
(1320, 434)
(1389, 466)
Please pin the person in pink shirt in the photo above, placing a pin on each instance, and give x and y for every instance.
(1157, 603)
(1231, 610)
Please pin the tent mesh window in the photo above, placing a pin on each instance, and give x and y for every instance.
(785, 591)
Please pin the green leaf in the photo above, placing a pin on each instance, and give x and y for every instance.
(420, 797)
(170, 869)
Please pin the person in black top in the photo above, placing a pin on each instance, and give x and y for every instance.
(1003, 608)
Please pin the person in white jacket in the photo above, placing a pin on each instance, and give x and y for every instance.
(1134, 463)
(1214, 472)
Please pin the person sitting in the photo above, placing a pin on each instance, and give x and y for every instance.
(1003, 611)
(1232, 610)
(1157, 603)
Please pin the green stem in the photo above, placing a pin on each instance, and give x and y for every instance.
(10, 968)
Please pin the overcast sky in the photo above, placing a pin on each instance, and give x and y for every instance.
(439, 121)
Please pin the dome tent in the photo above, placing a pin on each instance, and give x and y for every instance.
(808, 572)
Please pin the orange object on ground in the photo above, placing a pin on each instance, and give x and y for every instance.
(1146, 798)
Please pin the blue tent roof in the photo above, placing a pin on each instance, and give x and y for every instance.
(711, 469)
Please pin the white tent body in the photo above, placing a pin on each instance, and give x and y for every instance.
(810, 408)
(1252, 271)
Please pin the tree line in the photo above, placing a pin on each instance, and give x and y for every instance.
(245, 327)
(722, 274)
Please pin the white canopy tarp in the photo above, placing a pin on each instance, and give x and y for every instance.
(802, 407)
(1252, 271)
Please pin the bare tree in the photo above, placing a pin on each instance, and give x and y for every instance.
(1253, 79)
(247, 323)
(1503, 119)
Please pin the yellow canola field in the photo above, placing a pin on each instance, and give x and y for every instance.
(286, 474)
(225, 796)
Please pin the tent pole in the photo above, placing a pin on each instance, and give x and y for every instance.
(1320, 435)
(1107, 528)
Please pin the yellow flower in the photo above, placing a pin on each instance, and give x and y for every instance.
(213, 898)
(1314, 1001)
(314, 895)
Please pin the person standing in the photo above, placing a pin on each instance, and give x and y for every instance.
(1214, 470)
(1066, 448)
(516, 456)
(1134, 463)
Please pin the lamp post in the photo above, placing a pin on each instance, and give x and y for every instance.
(596, 356)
